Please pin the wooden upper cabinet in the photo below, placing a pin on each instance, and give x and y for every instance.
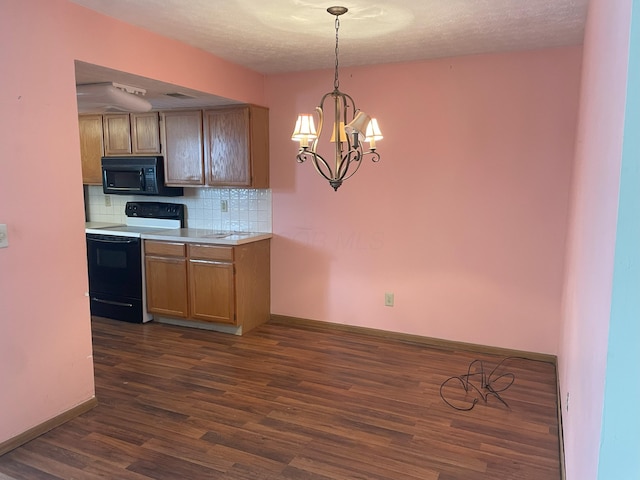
(220, 147)
(131, 134)
(117, 134)
(145, 133)
(91, 148)
(236, 146)
(181, 133)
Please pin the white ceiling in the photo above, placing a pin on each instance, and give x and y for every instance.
(276, 36)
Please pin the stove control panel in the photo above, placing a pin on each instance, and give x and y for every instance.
(169, 211)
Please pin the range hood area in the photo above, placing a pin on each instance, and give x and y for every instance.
(102, 90)
(111, 97)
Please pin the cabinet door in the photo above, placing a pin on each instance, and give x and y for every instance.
(167, 286)
(182, 143)
(259, 146)
(145, 133)
(212, 293)
(117, 134)
(227, 147)
(91, 148)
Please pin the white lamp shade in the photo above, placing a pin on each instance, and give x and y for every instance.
(373, 131)
(305, 128)
(358, 125)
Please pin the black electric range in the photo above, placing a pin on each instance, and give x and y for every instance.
(115, 259)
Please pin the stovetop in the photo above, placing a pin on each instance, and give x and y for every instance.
(102, 224)
(131, 231)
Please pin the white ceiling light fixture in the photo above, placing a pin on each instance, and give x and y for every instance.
(351, 127)
(111, 97)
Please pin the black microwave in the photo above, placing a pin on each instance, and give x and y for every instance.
(136, 176)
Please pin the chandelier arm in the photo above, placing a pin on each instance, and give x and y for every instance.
(320, 113)
(319, 162)
(347, 102)
(337, 100)
(347, 177)
(348, 161)
(303, 155)
(351, 101)
(375, 157)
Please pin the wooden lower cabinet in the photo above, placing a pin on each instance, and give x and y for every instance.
(166, 274)
(212, 283)
(218, 284)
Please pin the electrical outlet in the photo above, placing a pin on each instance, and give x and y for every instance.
(388, 299)
(4, 236)
(566, 404)
(224, 206)
(107, 201)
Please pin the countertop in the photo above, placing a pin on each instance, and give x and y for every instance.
(202, 235)
(193, 235)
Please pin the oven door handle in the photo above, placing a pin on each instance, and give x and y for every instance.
(115, 242)
(111, 302)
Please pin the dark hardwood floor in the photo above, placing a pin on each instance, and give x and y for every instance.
(294, 402)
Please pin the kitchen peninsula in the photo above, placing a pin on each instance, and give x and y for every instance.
(203, 278)
(208, 279)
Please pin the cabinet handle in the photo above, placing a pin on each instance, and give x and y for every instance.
(215, 262)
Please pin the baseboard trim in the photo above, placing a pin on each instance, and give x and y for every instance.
(417, 339)
(563, 469)
(44, 427)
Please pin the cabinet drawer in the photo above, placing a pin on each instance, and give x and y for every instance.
(164, 249)
(209, 252)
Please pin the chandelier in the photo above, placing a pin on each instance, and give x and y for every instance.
(350, 129)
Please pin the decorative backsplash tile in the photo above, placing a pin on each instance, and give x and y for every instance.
(248, 210)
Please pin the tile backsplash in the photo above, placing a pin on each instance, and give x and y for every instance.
(248, 210)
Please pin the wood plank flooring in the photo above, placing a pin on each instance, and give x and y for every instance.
(294, 402)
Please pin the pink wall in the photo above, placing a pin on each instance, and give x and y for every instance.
(121, 46)
(45, 344)
(45, 349)
(464, 219)
(587, 299)
(467, 231)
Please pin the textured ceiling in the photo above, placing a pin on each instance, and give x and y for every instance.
(274, 36)
(277, 36)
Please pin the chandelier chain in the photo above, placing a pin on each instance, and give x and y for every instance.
(336, 81)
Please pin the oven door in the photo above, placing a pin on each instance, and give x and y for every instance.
(115, 276)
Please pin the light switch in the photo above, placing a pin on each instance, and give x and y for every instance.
(4, 236)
